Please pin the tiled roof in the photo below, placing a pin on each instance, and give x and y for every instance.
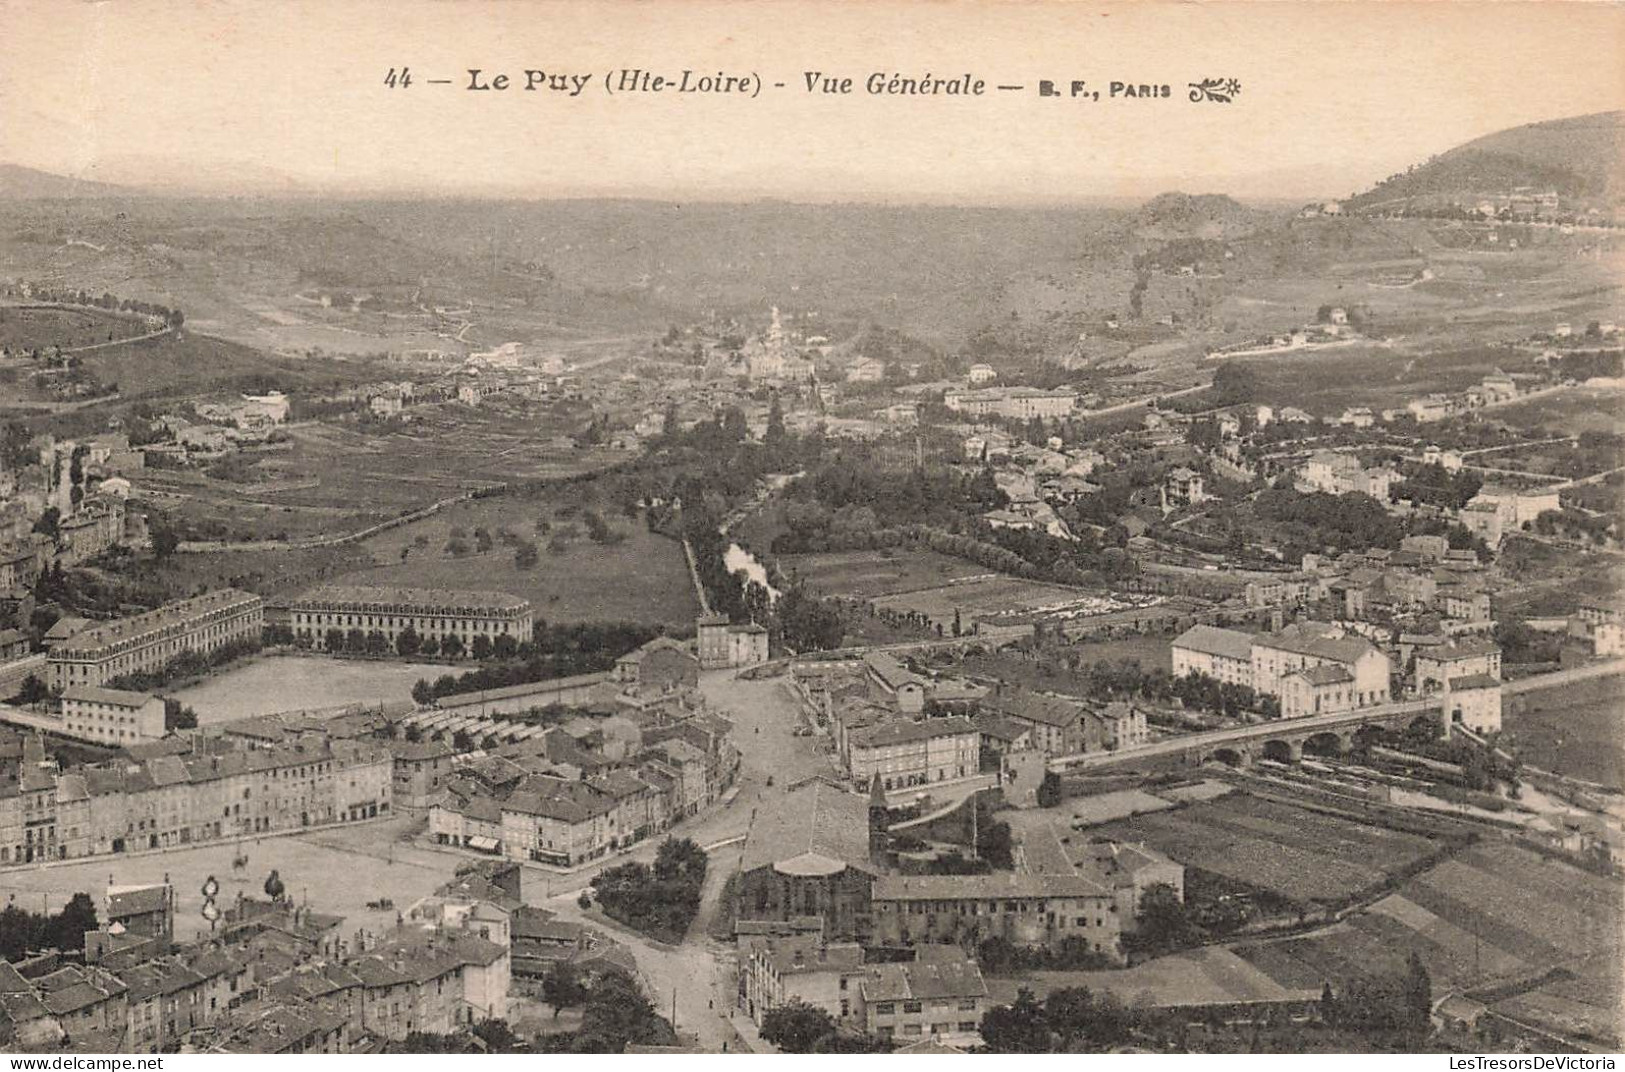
(814, 819)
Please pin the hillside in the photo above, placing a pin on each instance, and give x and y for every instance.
(1172, 216)
(26, 184)
(1577, 158)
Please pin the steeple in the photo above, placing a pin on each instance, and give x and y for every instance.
(879, 820)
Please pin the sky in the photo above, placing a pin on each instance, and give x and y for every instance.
(238, 97)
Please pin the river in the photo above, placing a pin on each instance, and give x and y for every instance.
(737, 559)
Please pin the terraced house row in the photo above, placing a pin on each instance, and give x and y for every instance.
(224, 790)
(145, 642)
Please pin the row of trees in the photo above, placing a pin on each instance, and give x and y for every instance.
(554, 651)
(187, 664)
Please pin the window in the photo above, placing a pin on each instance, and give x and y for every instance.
(885, 1008)
(967, 1025)
(911, 1006)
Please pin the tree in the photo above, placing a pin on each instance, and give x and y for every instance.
(355, 641)
(334, 640)
(797, 1027)
(482, 647)
(1418, 991)
(32, 691)
(274, 889)
(1162, 923)
(1017, 1028)
(66, 930)
(452, 645)
(165, 540)
(562, 988)
(177, 717)
(1049, 790)
(407, 643)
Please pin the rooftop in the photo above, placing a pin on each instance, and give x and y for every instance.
(903, 982)
(115, 697)
(163, 617)
(997, 884)
(418, 599)
(1211, 640)
(815, 828)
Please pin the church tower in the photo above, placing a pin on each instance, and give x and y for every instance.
(879, 820)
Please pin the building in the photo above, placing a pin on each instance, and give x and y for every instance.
(892, 683)
(146, 642)
(419, 771)
(1018, 403)
(980, 374)
(1342, 474)
(112, 716)
(1521, 506)
(942, 1001)
(1129, 870)
(723, 645)
(777, 970)
(808, 853)
(1182, 487)
(428, 612)
(1460, 658)
(1057, 724)
(903, 754)
(1313, 644)
(1024, 909)
(1223, 654)
(1474, 701)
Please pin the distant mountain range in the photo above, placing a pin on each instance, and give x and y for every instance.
(1579, 159)
(27, 184)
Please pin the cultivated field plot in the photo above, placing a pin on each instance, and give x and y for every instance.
(999, 600)
(1195, 977)
(1589, 407)
(1377, 377)
(28, 327)
(1489, 914)
(866, 574)
(641, 577)
(1298, 854)
(1573, 729)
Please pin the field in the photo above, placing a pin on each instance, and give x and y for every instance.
(1586, 408)
(1295, 853)
(333, 479)
(1488, 914)
(866, 574)
(1575, 729)
(1373, 376)
(995, 599)
(300, 683)
(27, 327)
(1195, 977)
(641, 578)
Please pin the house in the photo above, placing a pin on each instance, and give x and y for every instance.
(1182, 487)
(866, 370)
(1058, 724)
(420, 769)
(777, 970)
(936, 1000)
(890, 682)
(980, 374)
(901, 754)
(1474, 701)
(722, 644)
(1437, 666)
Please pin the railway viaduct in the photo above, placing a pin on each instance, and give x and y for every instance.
(1282, 739)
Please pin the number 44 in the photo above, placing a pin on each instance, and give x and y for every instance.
(402, 79)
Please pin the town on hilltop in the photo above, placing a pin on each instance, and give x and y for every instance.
(1185, 628)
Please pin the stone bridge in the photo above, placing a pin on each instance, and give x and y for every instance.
(1283, 740)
